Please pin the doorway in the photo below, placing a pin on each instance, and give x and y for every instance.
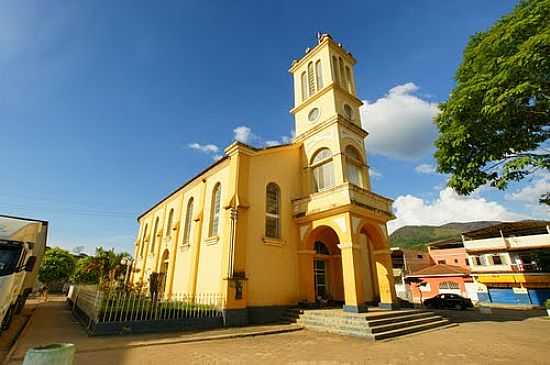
(320, 279)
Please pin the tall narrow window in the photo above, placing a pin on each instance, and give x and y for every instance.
(273, 211)
(335, 70)
(169, 223)
(188, 221)
(348, 79)
(304, 86)
(321, 248)
(342, 74)
(310, 79)
(215, 210)
(323, 170)
(155, 228)
(354, 164)
(319, 74)
(143, 240)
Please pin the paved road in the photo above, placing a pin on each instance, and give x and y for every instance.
(503, 337)
(525, 342)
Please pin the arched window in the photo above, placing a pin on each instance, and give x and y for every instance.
(310, 79)
(143, 240)
(348, 78)
(188, 221)
(335, 76)
(342, 75)
(449, 285)
(169, 223)
(215, 210)
(304, 85)
(321, 248)
(354, 164)
(273, 211)
(323, 170)
(156, 226)
(319, 75)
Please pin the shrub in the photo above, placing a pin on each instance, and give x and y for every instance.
(547, 304)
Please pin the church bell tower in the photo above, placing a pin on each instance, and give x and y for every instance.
(326, 111)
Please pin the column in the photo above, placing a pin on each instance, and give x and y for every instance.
(386, 285)
(352, 272)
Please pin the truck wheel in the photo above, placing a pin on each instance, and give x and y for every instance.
(20, 304)
(7, 318)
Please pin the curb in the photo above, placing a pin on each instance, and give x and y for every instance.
(18, 337)
(183, 340)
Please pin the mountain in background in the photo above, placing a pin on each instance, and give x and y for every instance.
(416, 237)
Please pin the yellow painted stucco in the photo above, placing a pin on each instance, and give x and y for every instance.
(349, 220)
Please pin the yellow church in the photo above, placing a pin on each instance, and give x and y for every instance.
(270, 228)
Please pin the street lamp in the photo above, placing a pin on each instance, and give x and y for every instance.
(128, 262)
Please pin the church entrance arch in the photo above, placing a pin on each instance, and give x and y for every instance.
(321, 267)
(164, 264)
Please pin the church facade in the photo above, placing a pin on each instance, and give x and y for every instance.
(272, 227)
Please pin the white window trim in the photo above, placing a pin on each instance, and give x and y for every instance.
(211, 240)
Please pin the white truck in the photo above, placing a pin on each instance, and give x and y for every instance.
(22, 246)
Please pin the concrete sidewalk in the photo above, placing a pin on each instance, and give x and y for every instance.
(53, 322)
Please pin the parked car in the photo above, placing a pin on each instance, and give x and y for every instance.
(448, 301)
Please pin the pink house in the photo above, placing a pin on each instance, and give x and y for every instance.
(449, 273)
(448, 252)
(438, 279)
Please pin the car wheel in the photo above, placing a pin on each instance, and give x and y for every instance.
(7, 319)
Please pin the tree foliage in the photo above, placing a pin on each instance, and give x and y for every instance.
(495, 126)
(104, 268)
(57, 265)
(83, 274)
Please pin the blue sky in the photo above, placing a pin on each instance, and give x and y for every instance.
(100, 101)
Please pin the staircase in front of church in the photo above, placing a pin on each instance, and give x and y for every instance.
(375, 325)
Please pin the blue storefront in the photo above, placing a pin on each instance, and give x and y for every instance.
(515, 296)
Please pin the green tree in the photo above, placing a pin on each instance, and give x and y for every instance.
(495, 126)
(84, 273)
(107, 264)
(57, 266)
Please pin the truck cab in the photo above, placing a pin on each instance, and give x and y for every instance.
(22, 245)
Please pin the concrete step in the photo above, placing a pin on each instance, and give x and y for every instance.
(348, 327)
(404, 324)
(343, 320)
(410, 329)
(374, 326)
(339, 331)
(402, 318)
(361, 316)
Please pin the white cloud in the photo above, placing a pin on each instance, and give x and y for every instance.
(400, 124)
(530, 194)
(217, 157)
(271, 143)
(425, 168)
(374, 173)
(448, 207)
(244, 134)
(206, 148)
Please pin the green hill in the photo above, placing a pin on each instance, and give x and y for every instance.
(418, 236)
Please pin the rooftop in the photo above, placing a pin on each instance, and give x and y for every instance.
(507, 229)
(441, 269)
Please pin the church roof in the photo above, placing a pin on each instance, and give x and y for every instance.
(441, 269)
(211, 166)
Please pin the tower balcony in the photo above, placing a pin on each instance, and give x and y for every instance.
(340, 196)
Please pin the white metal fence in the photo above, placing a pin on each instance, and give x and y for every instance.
(121, 306)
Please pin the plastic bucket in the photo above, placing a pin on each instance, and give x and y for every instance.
(54, 354)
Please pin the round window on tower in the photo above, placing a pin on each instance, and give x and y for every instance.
(313, 115)
(348, 112)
